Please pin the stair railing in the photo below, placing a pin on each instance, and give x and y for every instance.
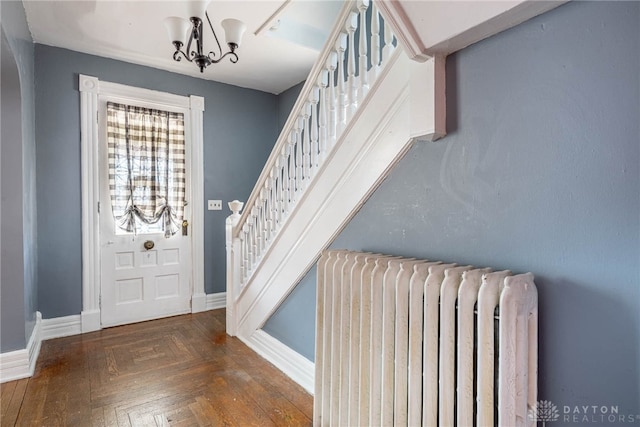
(357, 50)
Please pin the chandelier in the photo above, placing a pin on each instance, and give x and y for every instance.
(193, 31)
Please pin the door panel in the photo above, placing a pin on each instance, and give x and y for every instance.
(139, 284)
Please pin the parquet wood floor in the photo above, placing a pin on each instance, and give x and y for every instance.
(178, 371)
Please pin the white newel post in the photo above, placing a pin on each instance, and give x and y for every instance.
(234, 257)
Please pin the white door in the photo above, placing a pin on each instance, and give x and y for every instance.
(143, 275)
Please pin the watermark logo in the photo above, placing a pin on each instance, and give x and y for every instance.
(544, 411)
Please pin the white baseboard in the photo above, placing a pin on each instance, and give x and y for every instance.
(198, 303)
(18, 364)
(90, 321)
(61, 327)
(215, 301)
(205, 302)
(293, 364)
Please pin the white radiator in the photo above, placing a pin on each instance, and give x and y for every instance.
(402, 342)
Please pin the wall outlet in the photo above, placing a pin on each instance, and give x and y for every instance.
(214, 205)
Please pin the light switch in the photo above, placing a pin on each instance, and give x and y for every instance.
(214, 205)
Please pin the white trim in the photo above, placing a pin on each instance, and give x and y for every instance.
(18, 364)
(445, 27)
(167, 100)
(59, 327)
(198, 303)
(90, 320)
(90, 89)
(196, 103)
(403, 28)
(216, 301)
(293, 364)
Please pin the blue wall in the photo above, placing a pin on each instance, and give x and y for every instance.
(286, 100)
(240, 128)
(18, 241)
(539, 172)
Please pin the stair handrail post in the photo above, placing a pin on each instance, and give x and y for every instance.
(234, 257)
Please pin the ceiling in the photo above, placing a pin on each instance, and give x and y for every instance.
(282, 40)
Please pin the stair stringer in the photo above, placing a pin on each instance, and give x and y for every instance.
(404, 105)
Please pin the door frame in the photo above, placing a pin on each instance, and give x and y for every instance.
(91, 88)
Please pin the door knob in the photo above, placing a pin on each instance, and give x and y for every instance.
(148, 245)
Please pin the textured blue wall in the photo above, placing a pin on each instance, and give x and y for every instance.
(240, 128)
(539, 172)
(18, 288)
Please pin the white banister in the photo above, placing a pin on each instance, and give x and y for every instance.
(337, 85)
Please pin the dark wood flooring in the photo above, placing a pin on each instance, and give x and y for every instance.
(178, 371)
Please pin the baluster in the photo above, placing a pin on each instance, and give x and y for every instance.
(352, 85)
(388, 43)
(282, 177)
(279, 195)
(314, 97)
(258, 230)
(341, 47)
(247, 247)
(258, 233)
(375, 38)
(254, 237)
(264, 228)
(323, 81)
(271, 194)
(292, 170)
(285, 178)
(307, 144)
(298, 147)
(244, 237)
(362, 66)
(332, 102)
(260, 212)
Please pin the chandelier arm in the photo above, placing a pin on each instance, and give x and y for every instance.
(233, 57)
(190, 54)
(177, 57)
(214, 35)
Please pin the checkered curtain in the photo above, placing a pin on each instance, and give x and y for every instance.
(146, 151)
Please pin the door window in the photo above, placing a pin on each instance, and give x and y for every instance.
(146, 160)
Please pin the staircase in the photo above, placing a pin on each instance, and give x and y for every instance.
(362, 107)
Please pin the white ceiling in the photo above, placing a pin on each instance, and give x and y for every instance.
(271, 60)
